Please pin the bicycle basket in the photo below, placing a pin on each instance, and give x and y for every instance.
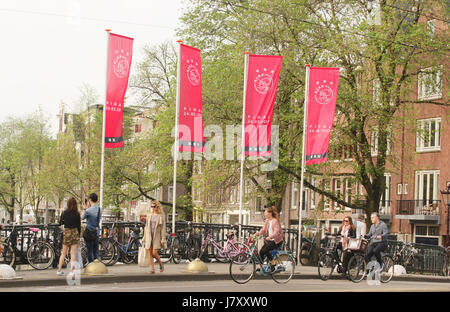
(332, 242)
(357, 244)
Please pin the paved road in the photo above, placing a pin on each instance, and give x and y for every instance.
(252, 286)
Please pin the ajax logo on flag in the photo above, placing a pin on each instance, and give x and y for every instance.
(323, 93)
(192, 73)
(263, 81)
(121, 64)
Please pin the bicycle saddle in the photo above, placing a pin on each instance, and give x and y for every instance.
(35, 230)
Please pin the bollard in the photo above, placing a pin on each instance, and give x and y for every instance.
(96, 267)
(197, 266)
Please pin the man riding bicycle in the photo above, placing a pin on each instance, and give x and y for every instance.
(378, 232)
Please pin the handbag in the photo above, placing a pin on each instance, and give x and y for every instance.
(357, 244)
(90, 235)
(143, 258)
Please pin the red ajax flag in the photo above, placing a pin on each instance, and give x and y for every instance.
(322, 95)
(190, 123)
(261, 91)
(120, 50)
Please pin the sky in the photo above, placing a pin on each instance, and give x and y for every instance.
(50, 48)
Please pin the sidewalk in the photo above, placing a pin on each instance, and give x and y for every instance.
(121, 273)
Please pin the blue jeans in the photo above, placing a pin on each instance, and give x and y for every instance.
(92, 250)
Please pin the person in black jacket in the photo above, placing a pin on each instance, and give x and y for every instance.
(347, 230)
(71, 235)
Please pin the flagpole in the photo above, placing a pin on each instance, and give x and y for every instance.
(175, 152)
(102, 170)
(305, 118)
(241, 186)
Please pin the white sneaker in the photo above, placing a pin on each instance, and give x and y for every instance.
(59, 273)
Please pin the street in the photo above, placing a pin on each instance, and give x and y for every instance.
(309, 285)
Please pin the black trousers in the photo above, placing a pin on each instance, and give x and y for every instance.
(266, 250)
(376, 249)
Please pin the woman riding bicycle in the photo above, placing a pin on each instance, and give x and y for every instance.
(274, 235)
(347, 230)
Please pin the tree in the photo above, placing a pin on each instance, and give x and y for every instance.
(386, 52)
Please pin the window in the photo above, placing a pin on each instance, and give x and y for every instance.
(312, 195)
(430, 84)
(376, 93)
(294, 195)
(427, 234)
(337, 191)
(385, 202)
(428, 137)
(232, 195)
(326, 200)
(427, 185)
(431, 24)
(170, 193)
(348, 192)
(374, 141)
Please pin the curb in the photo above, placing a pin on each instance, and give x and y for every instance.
(106, 279)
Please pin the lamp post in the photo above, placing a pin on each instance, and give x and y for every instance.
(446, 196)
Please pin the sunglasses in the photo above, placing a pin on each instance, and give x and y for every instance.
(153, 206)
(346, 221)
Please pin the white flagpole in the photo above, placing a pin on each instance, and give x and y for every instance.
(305, 118)
(175, 152)
(102, 170)
(241, 187)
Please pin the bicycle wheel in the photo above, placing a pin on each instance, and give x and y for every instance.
(388, 269)
(40, 255)
(132, 253)
(284, 268)
(242, 268)
(305, 254)
(193, 249)
(176, 250)
(222, 254)
(108, 252)
(325, 266)
(7, 255)
(356, 268)
(237, 248)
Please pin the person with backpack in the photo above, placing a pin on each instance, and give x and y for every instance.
(92, 215)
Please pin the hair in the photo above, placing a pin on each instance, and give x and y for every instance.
(93, 197)
(375, 214)
(72, 205)
(350, 221)
(274, 212)
(158, 207)
(361, 217)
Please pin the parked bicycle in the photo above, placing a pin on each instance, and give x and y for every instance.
(406, 255)
(358, 269)
(9, 248)
(185, 245)
(309, 247)
(243, 265)
(223, 250)
(110, 249)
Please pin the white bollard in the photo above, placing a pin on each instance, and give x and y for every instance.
(7, 272)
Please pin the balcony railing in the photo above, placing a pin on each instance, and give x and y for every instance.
(384, 208)
(418, 207)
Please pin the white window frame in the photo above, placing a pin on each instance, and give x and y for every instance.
(387, 193)
(169, 193)
(326, 200)
(294, 195)
(312, 196)
(419, 185)
(348, 192)
(232, 196)
(431, 25)
(374, 141)
(423, 90)
(421, 133)
(337, 191)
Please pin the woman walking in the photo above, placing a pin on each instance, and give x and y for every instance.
(155, 235)
(71, 235)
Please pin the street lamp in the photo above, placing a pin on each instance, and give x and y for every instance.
(446, 197)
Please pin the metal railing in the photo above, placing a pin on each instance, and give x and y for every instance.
(418, 207)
